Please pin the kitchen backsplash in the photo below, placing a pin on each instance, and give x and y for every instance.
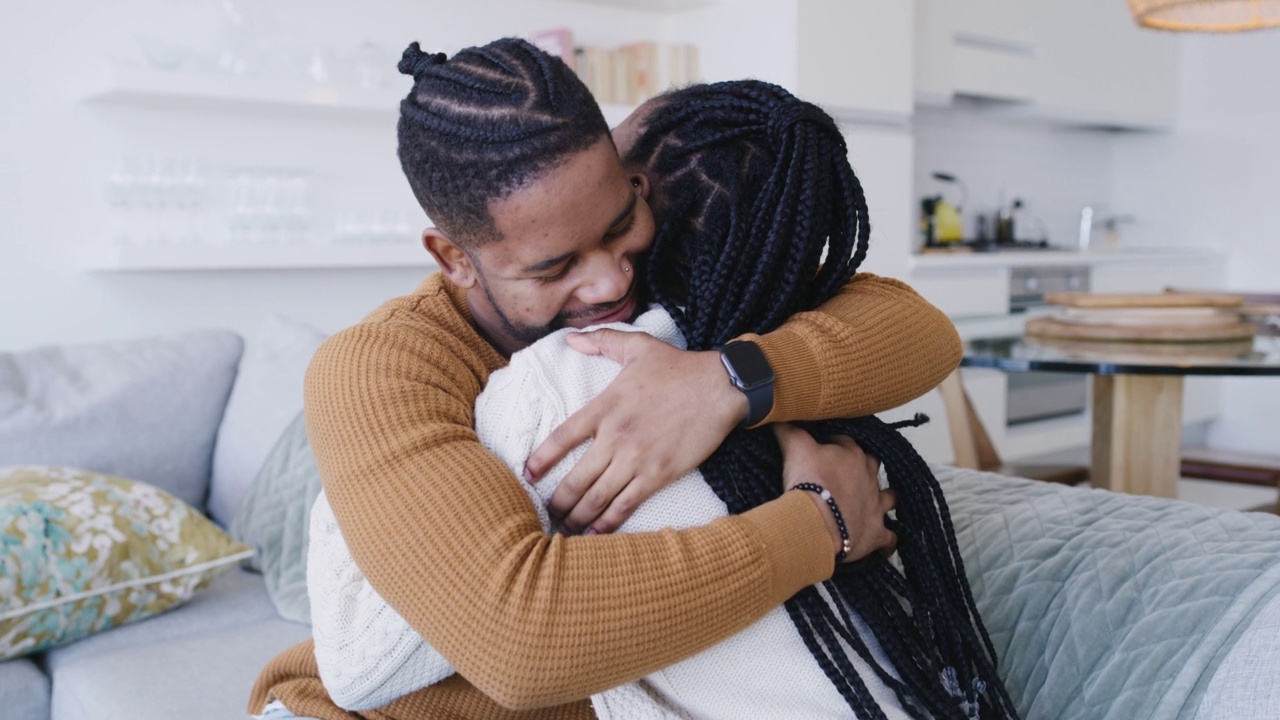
(1055, 171)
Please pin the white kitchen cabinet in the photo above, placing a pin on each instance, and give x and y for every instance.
(1096, 66)
(1071, 61)
(853, 57)
(960, 292)
(882, 158)
(978, 48)
(1150, 271)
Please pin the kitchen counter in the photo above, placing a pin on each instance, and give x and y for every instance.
(1041, 258)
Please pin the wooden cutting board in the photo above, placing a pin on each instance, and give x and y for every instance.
(1146, 351)
(1050, 327)
(1147, 316)
(1142, 300)
(1260, 311)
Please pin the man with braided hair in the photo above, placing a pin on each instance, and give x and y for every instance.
(736, 149)
(440, 526)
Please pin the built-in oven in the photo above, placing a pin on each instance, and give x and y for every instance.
(1041, 395)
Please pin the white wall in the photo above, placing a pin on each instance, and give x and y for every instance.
(56, 152)
(1214, 182)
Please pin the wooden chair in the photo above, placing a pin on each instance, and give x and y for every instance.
(973, 447)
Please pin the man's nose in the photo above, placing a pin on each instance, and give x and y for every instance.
(610, 279)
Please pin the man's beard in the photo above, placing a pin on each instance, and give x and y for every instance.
(529, 334)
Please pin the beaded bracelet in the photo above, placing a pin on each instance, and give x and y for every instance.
(835, 510)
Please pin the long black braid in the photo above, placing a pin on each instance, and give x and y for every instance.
(482, 124)
(752, 184)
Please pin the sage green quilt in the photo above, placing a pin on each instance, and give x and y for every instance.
(1100, 606)
(1103, 605)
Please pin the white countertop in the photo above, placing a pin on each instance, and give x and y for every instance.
(1043, 258)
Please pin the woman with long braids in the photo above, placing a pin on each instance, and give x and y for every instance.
(750, 186)
(743, 258)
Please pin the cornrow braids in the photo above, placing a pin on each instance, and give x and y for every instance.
(755, 184)
(483, 124)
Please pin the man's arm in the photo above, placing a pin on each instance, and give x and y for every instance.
(446, 535)
(874, 346)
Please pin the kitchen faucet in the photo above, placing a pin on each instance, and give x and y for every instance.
(1087, 223)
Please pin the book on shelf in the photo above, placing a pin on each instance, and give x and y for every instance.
(625, 75)
(633, 73)
(682, 65)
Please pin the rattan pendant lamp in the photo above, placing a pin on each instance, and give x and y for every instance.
(1206, 15)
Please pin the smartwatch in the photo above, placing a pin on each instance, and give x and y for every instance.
(750, 372)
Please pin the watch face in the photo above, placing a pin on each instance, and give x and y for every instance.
(746, 362)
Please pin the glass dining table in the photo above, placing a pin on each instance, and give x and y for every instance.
(1137, 395)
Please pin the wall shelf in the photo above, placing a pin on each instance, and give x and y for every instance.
(659, 6)
(177, 89)
(164, 258)
(187, 90)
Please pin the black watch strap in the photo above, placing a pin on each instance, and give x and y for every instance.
(750, 372)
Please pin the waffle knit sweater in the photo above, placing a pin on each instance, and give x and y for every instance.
(535, 624)
(368, 655)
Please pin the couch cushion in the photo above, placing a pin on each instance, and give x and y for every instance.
(206, 676)
(275, 518)
(235, 600)
(267, 394)
(82, 552)
(1245, 686)
(24, 690)
(144, 409)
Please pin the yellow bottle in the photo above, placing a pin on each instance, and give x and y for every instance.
(946, 223)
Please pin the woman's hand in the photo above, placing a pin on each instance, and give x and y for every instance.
(853, 479)
(664, 414)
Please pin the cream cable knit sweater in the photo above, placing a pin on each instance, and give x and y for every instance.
(368, 655)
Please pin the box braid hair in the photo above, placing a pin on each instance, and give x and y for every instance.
(486, 122)
(753, 183)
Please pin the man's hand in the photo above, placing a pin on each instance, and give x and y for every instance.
(853, 478)
(664, 414)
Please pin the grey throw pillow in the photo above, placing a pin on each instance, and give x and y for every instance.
(146, 409)
(267, 394)
(275, 516)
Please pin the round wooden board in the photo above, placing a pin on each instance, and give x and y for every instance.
(1120, 351)
(1139, 300)
(1260, 311)
(1146, 317)
(1050, 327)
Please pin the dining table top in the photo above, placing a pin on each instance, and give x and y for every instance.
(1259, 355)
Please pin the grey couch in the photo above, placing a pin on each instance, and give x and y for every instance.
(192, 413)
(1076, 604)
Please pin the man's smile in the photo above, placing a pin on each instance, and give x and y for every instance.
(620, 311)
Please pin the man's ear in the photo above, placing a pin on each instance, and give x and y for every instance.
(454, 262)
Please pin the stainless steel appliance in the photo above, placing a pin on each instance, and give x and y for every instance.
(1041, 395)
(1029, 285)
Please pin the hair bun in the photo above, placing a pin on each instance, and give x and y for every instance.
(415, 62)
(787, 115)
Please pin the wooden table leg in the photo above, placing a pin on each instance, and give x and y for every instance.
(1137, 433)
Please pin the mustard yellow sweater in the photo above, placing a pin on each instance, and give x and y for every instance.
(535, 624)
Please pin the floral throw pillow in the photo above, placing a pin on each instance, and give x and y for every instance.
(82, 552)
